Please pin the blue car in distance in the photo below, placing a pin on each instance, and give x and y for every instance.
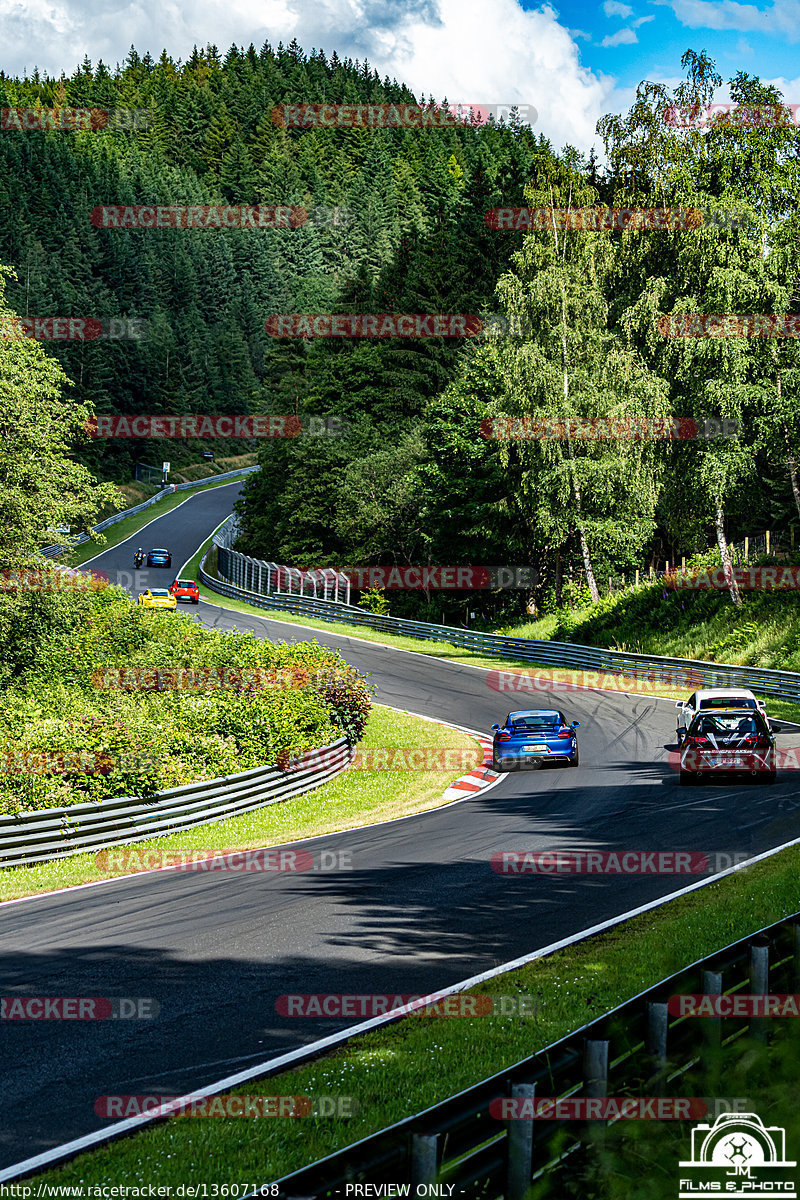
(159, 558)
(533, 736)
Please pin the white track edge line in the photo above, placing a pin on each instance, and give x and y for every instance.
(69, 1149)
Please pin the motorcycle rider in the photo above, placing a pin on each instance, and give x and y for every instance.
(138, 558)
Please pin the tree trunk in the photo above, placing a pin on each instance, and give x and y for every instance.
(559, 580)
(725, 554)
(789, 455)
(576, 491)
(792, 471)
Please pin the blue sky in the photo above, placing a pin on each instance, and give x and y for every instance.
(647, 38)
(573, 62)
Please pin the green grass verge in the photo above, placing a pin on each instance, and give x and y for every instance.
(392, 1073)
(355, 797)
(125, 529)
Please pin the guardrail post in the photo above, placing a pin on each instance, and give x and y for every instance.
(759, 985)
(595, 1083)
(423, 1158)
(712, 986)
(595, 1069)
(796, 941)
(656, 1044)
(520, 1148)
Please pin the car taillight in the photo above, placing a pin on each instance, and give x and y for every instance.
(565, 733)
(697, 741)
(753, 739)
(504, 737)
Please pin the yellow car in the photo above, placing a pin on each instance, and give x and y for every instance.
(157, 598)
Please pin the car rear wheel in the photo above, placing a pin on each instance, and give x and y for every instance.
(688, 778)
(197, 601)
(573, 762)
(496, 766)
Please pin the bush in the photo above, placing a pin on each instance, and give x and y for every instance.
(89, 707)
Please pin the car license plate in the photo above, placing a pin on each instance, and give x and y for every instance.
(724, 760)
(534, 749)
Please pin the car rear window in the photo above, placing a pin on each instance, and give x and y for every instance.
(727, 702)
(183, 583)
(725, 723)
(535, 723)
(160, 592)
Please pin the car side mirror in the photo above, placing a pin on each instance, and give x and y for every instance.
(495, 727)
(575, 724)
(679, 704)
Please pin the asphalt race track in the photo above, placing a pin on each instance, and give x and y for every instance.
(419, 909)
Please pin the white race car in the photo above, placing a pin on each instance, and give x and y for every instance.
(714, 698)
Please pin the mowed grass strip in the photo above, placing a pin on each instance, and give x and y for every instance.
(355, 797)
(394, 1072)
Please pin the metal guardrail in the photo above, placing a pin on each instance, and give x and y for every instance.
(51, 551)
(636, 1049)
(53, 833)
(676, 673)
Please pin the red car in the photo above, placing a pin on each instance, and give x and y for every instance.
(185, 589)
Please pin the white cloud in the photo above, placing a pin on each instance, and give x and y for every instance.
(623, 37)
(781, 19)
(463, 50)
(613, 8)
(641, 21)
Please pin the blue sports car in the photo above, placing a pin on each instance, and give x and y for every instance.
(159, 558)
(533, 736)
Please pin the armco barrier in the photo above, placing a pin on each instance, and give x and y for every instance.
(637, 1049)
(677, 674)
(51, 551)
(53, 833)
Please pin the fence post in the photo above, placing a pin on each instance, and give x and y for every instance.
(423, 1158)
(595, 1082)
(712, 986)
(767, 541)
(637, 576)
(759, 985)
(746, 549)
(519, 1138)
(796, 940)
(656, 1043)
(683, 562)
